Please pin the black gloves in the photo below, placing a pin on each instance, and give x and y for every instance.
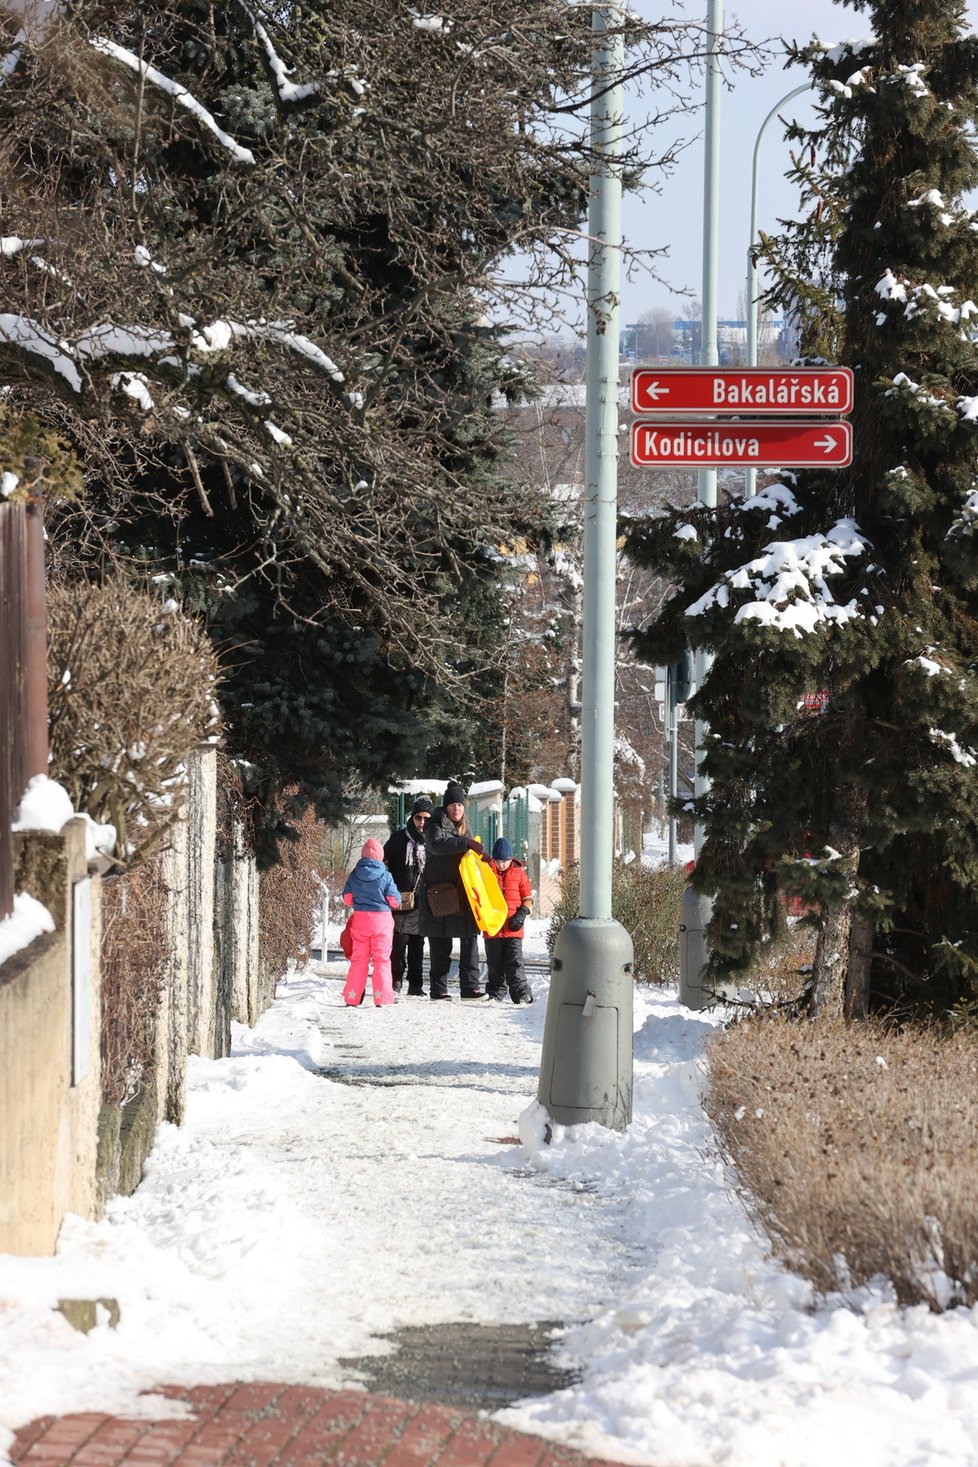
(518, 918)
(474, 845)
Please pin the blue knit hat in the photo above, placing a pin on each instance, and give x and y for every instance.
(502, 850)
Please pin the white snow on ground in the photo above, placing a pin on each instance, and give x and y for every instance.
(294, 1216)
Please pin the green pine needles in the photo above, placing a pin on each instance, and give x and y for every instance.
(861, 584)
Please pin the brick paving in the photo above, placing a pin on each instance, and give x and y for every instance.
(268, 1425)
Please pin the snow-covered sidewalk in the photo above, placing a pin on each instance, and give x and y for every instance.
(348, 1172)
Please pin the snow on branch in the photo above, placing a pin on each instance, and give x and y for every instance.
(282, 332)
(23, 332)
(112, 340)
(177, 92)
(961, 754)
(834, 51)
(903, 383)
(965, 522)
(789, 582)
(12, 244)
(288, 91)
(121, 341)
(861, 78)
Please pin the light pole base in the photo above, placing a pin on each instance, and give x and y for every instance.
(695, 910)
(586, 1068)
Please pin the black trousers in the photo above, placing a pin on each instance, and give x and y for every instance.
(504, 959)
(407, 953)
(440, 949)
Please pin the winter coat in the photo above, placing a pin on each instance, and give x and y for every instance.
(406, 874)
(370, 887)
(516, 889)
(444, 850)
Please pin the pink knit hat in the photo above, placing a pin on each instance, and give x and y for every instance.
(372, 850)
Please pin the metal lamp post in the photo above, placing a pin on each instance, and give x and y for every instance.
(586, 1066)
(750, 475)
(695, 909)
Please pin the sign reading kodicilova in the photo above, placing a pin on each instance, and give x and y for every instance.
(751, 391)
(683, 444)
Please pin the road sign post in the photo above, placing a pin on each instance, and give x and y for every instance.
(711, 417)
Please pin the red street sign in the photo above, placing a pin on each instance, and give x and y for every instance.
(747, 392)
(712, 444)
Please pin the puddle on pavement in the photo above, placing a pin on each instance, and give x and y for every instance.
(476, 1366)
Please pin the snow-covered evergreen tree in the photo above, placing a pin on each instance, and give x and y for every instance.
(860, 584)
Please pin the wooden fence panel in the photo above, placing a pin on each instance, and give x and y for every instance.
(23, 671)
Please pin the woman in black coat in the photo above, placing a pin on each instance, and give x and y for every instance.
(446, 840)
(405, 854)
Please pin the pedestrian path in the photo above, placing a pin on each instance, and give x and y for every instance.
(427, 1402)
(266, 1425)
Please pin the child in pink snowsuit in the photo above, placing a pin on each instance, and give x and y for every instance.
(371, 892)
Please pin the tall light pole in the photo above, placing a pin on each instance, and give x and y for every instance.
(586, 1067)
(696, 908)
(750, 475)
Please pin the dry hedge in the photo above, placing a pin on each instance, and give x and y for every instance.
(131, 687)
(133, 959)
(857, 1148)
(646, 902)
(289, 896)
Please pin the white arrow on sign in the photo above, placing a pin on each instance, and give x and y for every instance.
(655, 390)
(825, 444)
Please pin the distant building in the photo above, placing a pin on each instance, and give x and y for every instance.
(640, 338)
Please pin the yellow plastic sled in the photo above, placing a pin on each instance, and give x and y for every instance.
(485, 897)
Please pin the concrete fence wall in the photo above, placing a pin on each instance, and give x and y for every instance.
(61, 1150)
(50, 1077)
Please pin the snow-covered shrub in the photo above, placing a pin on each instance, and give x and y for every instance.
(131, 688)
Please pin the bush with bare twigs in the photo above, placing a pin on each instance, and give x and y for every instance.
(289, 896)
(131, 689)
(646, 903)
(133, 958)
(857, 1149)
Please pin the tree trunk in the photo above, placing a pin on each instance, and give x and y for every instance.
(832, 948)
(861, 934)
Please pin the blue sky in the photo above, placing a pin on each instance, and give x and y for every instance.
(675, 216)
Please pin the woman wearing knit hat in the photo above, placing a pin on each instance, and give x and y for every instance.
(405, 854)
(371, 892)
(444, 908)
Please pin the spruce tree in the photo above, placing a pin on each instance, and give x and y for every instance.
(860, 584)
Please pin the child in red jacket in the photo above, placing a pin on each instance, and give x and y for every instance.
(504, 952)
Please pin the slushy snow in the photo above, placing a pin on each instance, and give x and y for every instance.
(296, 1216)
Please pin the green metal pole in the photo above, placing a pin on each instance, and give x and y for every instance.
(601, 469)
(696, 908)
(586, 1067)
